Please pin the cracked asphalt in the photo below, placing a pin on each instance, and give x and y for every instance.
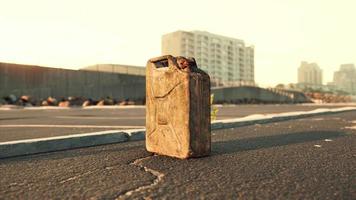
(310, 158)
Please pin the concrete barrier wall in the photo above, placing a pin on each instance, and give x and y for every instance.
(249, 94)
(41, 82)
(115, 68)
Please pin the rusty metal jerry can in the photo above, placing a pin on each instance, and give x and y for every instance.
(177, 108)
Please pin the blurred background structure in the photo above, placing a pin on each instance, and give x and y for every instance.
(228, 61)
(345, 78)
(310, 75)
(41, 82)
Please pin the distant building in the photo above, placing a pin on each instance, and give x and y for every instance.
(118, 69)
(345, 78)
(227, 60)
(310, 75)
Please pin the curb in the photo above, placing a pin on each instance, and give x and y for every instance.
(270, 118)
(42, 145)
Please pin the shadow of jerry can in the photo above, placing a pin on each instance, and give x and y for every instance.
(177, 108)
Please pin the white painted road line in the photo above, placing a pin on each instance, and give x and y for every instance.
(40, 145)
(95, 117)
(351, 127)
(66, 126)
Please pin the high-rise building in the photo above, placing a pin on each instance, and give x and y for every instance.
(310, 75)
(227, 60)
(345, 78)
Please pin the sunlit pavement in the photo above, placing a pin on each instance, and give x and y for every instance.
(311, 158)
(19, 124)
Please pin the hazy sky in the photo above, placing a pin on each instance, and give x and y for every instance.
(77, 33)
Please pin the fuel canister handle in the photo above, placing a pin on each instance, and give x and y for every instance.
(166, 61)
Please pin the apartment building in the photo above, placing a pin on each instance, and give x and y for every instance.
(227, 60)
(310, 75)
(345, 78)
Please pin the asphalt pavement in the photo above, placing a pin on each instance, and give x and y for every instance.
(310, 158)
(20, 124)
